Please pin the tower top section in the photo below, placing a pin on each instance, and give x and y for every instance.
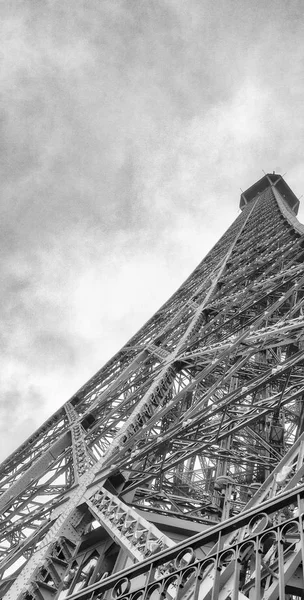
(271, 180)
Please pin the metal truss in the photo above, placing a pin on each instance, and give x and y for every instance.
(256, 554)
(185, 432)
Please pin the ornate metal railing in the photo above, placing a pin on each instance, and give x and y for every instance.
(257, 554)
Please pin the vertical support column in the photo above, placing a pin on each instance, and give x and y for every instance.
(82, 460)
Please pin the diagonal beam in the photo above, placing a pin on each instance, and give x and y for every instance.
(131, 531)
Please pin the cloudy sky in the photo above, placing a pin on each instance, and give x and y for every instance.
(128, 127)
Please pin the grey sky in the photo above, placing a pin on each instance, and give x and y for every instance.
(127, 129)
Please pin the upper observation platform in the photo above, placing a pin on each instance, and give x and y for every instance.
(271, 179)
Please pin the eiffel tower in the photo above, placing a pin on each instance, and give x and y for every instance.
(177, 471)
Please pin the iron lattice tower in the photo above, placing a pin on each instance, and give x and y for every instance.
(177, 470)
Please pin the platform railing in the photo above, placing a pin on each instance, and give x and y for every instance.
(257, 554)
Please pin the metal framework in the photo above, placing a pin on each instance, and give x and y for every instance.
(177, 471)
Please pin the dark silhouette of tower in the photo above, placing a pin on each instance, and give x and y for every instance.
(177, 470)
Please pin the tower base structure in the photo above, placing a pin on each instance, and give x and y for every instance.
(177, 470)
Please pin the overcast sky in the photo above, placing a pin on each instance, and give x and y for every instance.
(128, 128)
